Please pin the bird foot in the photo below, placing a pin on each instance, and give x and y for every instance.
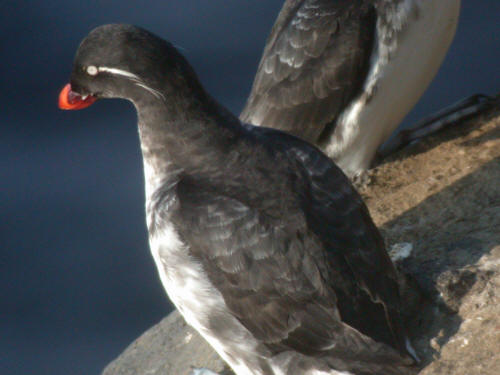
(362, 179)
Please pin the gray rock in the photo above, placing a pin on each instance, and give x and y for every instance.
(170, 347)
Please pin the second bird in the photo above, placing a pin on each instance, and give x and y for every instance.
(344, 73)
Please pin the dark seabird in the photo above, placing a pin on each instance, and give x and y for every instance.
(342, 74)
(259, 239)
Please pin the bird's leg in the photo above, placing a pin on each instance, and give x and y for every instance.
(441, 119)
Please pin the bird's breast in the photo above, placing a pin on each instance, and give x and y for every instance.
(199, 301)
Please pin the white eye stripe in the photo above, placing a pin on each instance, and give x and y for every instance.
(94, 70)
(156, 93)
(116, 71)
(135, 78)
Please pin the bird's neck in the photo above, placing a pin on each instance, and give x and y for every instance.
(185, 133)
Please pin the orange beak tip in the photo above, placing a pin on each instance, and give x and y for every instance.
(70, 100)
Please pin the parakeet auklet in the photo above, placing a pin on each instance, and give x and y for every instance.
(259, 239)
(342, 74)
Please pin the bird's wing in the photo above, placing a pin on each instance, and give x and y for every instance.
(315, 61)
(335, 212)
(284, 277)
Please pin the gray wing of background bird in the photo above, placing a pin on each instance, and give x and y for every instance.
(315, 61)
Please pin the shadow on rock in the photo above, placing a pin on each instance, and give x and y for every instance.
(455, 230)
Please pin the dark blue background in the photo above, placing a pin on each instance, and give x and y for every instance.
(77, 282)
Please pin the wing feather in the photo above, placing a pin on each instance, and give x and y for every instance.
(302, 279)
(315, 60)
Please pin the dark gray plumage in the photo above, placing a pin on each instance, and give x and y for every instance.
(342, 74)
(259, 239)
(315, 62)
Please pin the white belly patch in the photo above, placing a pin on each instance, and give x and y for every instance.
(190, 290)
(400, 73)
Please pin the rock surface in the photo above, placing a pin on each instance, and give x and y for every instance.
(439, 198)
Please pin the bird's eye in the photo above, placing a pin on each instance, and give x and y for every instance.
(92, 70)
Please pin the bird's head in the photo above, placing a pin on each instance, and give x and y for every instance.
(119, 61)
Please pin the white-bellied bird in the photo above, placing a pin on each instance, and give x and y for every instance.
(342, 74)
